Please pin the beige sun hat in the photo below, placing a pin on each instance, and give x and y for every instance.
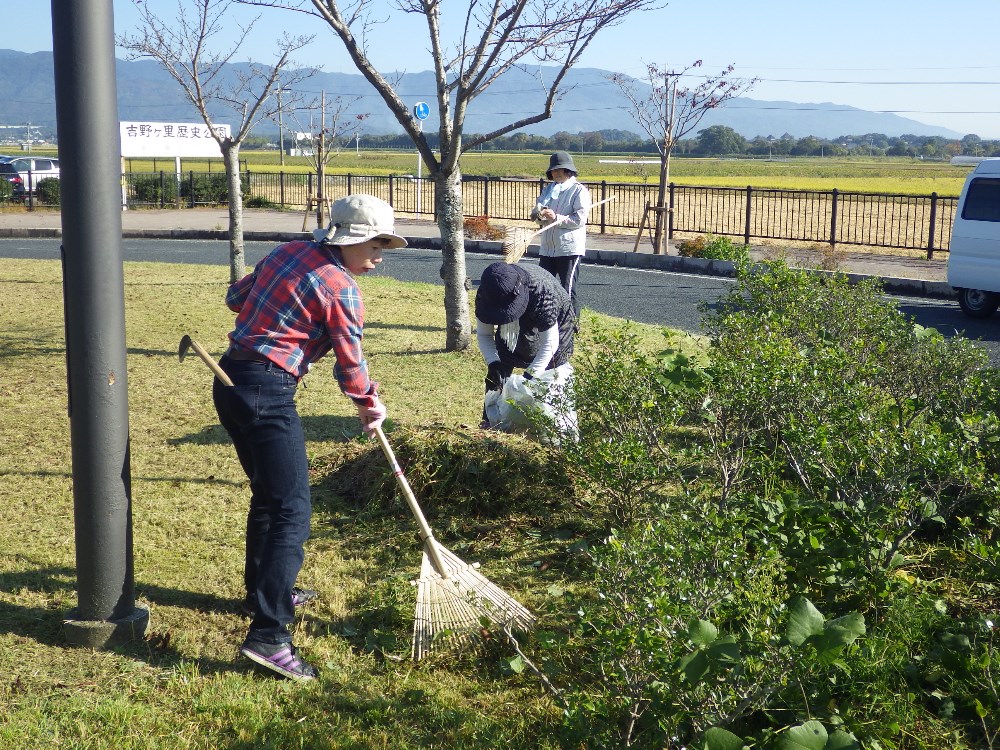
(359, 218)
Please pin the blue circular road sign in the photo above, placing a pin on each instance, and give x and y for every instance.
(421, 110)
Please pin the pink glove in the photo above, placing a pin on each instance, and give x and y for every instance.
(371, 416)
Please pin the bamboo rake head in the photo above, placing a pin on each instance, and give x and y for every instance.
(515, 243)
(451, 610)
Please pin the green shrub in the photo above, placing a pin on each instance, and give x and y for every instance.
(691, 630)
(258, 201)
(6, 191)
(630, 404)
(47, 191)
(714, 248)
(154, 189)
(210, 188)
(853, 427)
(823, 450)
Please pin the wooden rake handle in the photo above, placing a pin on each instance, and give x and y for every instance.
(430, 543)
(187, 341)
(557, 222)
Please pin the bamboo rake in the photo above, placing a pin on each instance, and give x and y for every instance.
(453, 597)
(517, 239)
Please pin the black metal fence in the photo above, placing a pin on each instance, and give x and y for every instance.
(911, 222)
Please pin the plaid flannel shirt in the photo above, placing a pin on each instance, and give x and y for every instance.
(298, 304)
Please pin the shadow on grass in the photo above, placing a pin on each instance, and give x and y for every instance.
(335, 429)
(59, 584)
(376, 325)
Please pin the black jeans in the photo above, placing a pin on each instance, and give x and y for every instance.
(260, 416)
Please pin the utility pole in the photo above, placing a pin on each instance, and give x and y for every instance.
(321, 161)
(83, 46)
(281, 131)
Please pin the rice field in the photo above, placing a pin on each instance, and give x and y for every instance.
(866, 175)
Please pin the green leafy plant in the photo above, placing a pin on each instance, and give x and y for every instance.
(48, 191)
(714, 248)
(154, 189)
(848, 420)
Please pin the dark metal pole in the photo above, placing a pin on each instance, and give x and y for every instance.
(94, 291)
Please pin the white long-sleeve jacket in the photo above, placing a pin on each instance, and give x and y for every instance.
(570, 201)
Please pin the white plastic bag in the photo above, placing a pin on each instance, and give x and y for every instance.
(523, 403)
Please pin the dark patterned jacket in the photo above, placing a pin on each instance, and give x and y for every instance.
(548, 304)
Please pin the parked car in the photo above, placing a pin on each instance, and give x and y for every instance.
(974, 257)
(22, 169)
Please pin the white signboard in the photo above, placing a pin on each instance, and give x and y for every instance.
(170, 139)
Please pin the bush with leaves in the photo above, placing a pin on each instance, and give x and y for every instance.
(154, 190)
(48, 191)
(210, 188)
(855, 427)
(714, 247)
(691, 636)
(630, 407)
(823, 444)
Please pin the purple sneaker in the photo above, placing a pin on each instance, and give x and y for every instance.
(300, 597)
(280, 658)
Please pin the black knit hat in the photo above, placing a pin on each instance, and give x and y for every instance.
(560, 160)
(503, 293)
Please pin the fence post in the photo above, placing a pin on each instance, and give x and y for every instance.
(191, 186)
(833, 219)
(746, 223)
(670, 213)
(486, 197)
(930, 231)
(390, 192)
(604, 195)
(349, 184)
(281, 187)
(309, 192)
(163, 188)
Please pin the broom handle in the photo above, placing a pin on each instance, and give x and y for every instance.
(430, 543)
(557, 222)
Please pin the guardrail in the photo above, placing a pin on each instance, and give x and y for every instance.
(834, 217)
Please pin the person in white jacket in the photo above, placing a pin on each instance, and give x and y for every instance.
(566, 203)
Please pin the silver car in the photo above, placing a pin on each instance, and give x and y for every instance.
(25, 172)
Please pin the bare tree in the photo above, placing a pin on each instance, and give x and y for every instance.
(493, 37)
(667, 112)
(182, 48)
(336, 123)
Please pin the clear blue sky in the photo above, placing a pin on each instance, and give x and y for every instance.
(923, 60)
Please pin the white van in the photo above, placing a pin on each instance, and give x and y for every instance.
(974, 258)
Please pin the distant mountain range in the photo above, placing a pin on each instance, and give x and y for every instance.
(591, 103)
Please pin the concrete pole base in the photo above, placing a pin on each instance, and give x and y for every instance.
(103, 634)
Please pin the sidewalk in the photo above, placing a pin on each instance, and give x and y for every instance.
(902, 275)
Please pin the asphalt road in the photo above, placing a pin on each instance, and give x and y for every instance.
(655, 297)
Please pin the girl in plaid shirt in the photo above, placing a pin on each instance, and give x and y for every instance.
(300, 303)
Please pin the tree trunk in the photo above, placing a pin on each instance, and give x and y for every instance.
(237, 259)
(448, 205)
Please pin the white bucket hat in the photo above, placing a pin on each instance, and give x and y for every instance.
(359, 218)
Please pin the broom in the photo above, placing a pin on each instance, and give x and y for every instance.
(453, 597)
(517, 239)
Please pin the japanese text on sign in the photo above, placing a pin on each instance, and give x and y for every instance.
(170, 139)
